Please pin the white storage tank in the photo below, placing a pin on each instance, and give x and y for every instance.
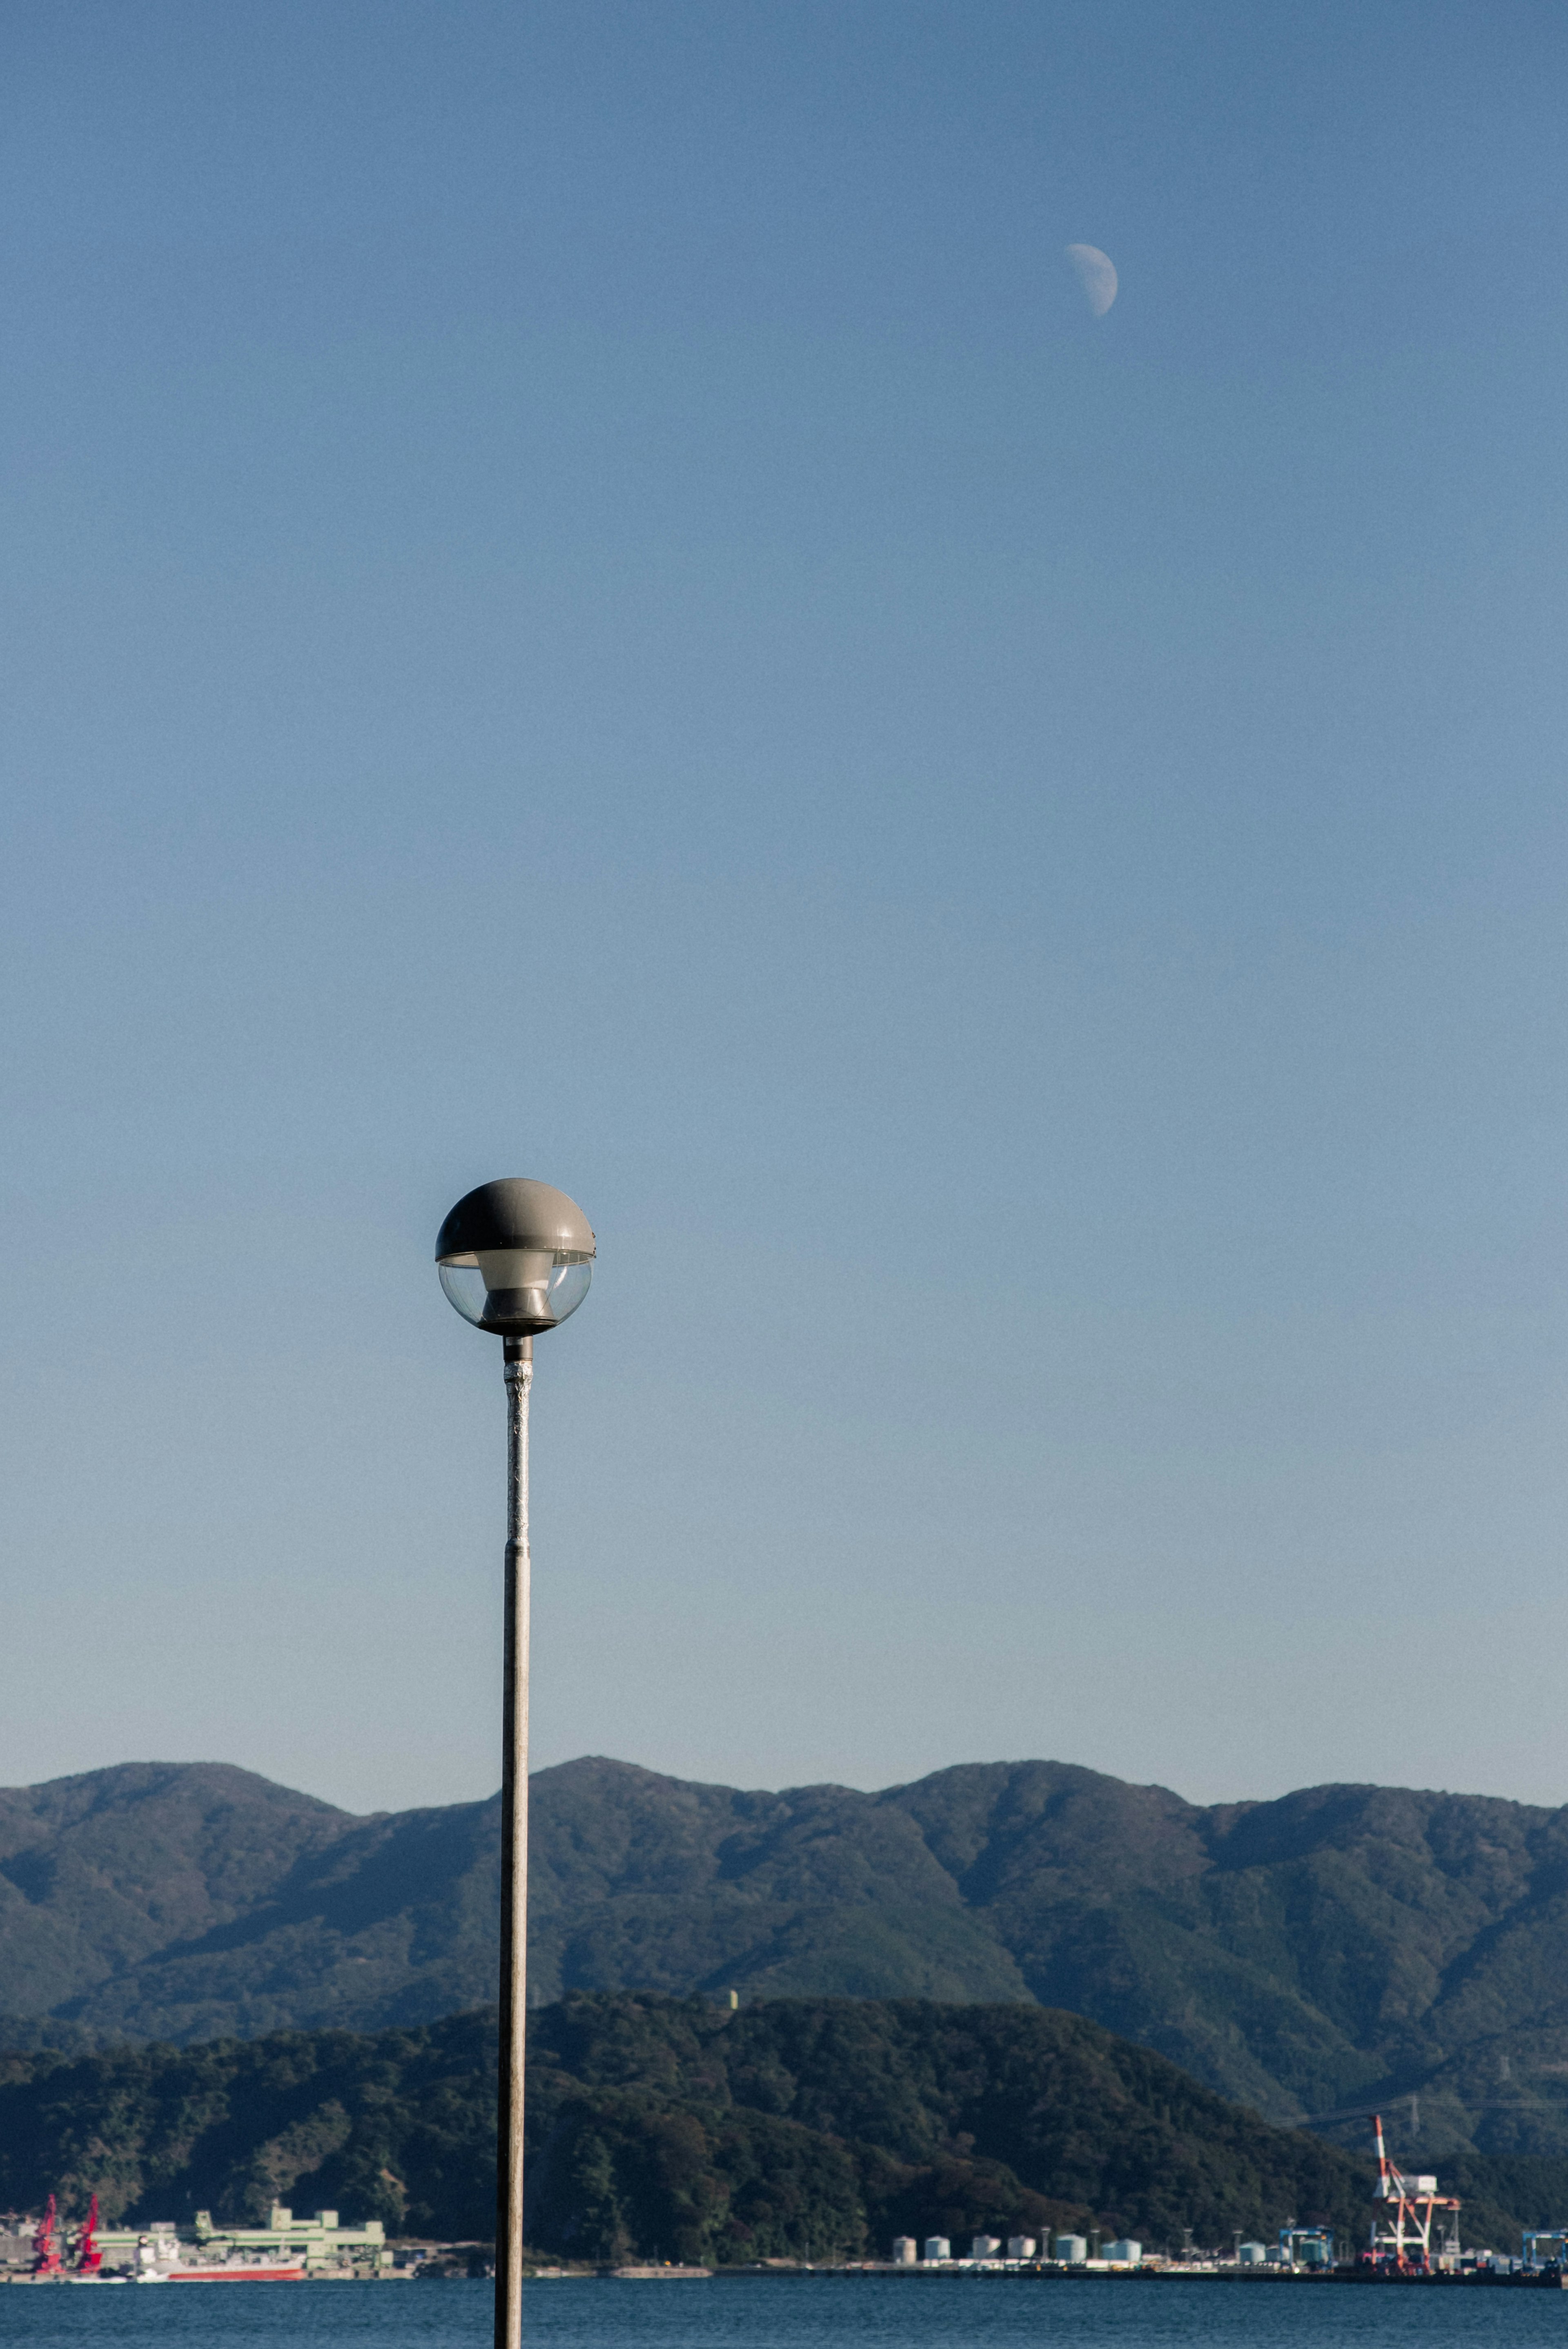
(937, 2247)
(1252, 2255)
(984, 2247)
(905, 2250)
(1123, 2253)
(1073, 2249)
(1020, 2247)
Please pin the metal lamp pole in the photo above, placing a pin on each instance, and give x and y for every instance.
(515, 1258)
(513, 1858)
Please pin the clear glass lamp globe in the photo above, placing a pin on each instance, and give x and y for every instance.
(516, 1257)
(517, 1292)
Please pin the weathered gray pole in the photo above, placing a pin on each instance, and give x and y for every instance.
(515, 1258)
(513, 1859)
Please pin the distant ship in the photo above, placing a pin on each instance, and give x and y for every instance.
(150, 2269)
(240, 2272)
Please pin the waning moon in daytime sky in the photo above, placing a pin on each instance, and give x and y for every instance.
(1096, 275)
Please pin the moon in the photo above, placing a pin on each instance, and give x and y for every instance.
(1096, 275)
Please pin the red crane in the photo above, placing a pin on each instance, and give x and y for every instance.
(89, 2258)
(46, 2250)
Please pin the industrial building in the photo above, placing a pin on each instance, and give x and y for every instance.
(319, 2242)
(1023, 2251)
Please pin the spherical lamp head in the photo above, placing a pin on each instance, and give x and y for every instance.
(515, 1258)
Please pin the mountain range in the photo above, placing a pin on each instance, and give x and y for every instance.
(1337, 1946)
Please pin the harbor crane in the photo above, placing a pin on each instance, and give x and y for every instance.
(46, 2259)
(1402, 2233)
(89, 2258)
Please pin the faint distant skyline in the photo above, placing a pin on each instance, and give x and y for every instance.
(585, 598)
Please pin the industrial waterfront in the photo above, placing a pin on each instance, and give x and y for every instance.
(1413, 2238)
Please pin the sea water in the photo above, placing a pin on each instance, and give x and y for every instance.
(787, 2313)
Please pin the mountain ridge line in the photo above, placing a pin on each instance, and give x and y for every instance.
(1339, 1944)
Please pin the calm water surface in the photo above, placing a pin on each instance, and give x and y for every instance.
(787, 2313)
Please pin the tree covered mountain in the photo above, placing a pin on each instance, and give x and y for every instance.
(814, 2129)
(185, 1901)
(1339, 1944)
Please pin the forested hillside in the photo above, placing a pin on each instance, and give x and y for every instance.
(1338, 1945)
(673, 2128)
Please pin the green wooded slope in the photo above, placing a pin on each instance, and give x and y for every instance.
(665, 2128)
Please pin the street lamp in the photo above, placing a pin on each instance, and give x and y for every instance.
(515, 1258)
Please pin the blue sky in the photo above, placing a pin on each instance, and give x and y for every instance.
(582, 596)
